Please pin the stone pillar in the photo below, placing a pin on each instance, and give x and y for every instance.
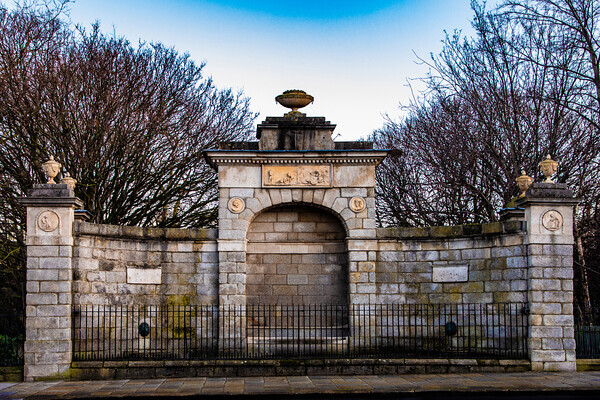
(48, 344)
(549, 241)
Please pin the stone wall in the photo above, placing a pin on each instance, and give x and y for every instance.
(460, 264)
(121, 265)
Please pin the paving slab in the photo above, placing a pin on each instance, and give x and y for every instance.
(560, 382)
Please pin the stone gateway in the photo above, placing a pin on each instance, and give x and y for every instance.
(296, 231)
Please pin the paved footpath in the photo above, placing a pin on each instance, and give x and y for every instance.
(285, 385)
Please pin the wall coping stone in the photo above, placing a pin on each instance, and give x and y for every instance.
(451, 232)
(81, 228)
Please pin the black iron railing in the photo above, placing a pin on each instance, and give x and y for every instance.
(587, 333)
(12, 338)
(300, 331)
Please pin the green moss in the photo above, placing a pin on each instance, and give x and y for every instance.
(178, 300)
(446, 231)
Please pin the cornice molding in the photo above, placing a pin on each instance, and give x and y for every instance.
(220, 157)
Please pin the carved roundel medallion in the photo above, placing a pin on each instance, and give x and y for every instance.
(48, 221)
(552, 220)
(236, 205)
(357, 204)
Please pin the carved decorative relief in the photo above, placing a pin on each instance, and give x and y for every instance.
(236, 205)
(552, 220)
(48, 221)
(296, 175)
(357, 204)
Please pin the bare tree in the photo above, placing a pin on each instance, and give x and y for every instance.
(129, 123)
(495, 104)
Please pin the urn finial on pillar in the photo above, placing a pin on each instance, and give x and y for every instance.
(69, 180)
(51, 169)
(523, 182)
(548, 167)
(294, 99)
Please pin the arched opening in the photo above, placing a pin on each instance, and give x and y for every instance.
(296, 255)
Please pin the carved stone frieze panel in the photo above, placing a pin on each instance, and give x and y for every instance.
(296, 175)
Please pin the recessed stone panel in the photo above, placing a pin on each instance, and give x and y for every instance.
(143, 276)
(454, 273)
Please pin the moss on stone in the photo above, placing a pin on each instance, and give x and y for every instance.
(446, 231)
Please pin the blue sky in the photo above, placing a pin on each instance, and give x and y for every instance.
(354, 57)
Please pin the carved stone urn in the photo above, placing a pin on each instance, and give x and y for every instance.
(69, 180)
(548, 167)
(523, 183)
(294, 99)
(51, 169)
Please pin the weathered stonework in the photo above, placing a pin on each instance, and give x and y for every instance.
(298, 227)
(50, 216)
(549, 218)
(121, 265)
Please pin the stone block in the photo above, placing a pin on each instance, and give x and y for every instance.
(32, 286)
(354, 192)
(460, 244)
(559, 273)
(235, 176)
(557, 250)
(497, 286)
(470, 254)
(330, 196)
(558, 297)
(275, 195)
(516, 262)
(231, 245)
(365, 288)
(297, 195)
(547, 355)
(53, 334)
(511, 251)
(544, 284)
(42, 251)
(545, 332)
(263, 197)
(514, 274)
(317, 197)
(307, 196)
(518, 285)
(446, 298)
(31, 372)
(567, 284)
(560, 366)
(353, 176)
(449, 255)
(55, 286)
(55, 263)
(510, 297)
(294, 279)
(41, 298)
(544, 261)
(428, 256)
(546, 308)
(552, 344)
(253, 205)
(286, 196)
(471, 298)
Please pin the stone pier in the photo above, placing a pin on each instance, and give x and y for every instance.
(549, 243)
(50, 216)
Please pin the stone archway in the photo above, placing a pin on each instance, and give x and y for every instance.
(296, 254)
